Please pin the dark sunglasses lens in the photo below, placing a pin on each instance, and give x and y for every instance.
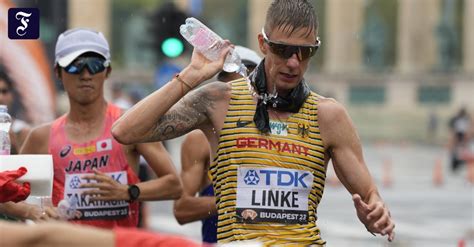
(290, 50)
(307, 52)
(286, 51)
(94, 65)
(74, 68)
(280, 50)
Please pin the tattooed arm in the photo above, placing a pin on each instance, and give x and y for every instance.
(160, 116)
(195, 111)
(189, 113)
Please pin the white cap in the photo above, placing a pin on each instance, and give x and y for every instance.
(75, 42)
(248, 57)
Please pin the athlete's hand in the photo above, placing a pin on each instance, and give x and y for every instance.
(49, 213)
(375, 216)
(106, 188)
(201, 69)
(38, 214)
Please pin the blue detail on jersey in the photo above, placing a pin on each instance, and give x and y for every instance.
(209, 225)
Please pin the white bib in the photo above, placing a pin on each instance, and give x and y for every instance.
(271, 194)
(95, 209)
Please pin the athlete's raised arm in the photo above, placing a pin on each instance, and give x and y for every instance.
(166, 114)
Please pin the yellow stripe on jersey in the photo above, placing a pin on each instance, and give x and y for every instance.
(242, 145)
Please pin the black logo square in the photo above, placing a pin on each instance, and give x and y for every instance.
(23, 23)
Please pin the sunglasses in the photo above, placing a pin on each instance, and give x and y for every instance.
(93, 64)
(4, 90)
(285, 51)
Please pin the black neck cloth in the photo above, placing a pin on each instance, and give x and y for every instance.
(290, 103)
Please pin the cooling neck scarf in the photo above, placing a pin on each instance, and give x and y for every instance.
(291, 103)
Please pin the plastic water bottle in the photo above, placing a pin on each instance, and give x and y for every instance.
(210, 44)
(5, 123)
(67, 208)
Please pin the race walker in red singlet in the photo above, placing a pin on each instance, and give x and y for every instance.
(74, 160)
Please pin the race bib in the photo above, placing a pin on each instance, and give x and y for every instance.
(93, 210)
(270, 194)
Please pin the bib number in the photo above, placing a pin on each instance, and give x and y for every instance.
(270, 194)
(93, 210)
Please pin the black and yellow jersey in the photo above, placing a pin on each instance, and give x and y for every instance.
(268, 186)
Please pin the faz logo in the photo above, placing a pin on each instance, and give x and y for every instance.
(23, 23)
(65, 151)
(251, 178)
(249, 214)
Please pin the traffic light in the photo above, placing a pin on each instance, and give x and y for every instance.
(164, 25)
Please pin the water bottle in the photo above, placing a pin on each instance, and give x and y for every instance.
(209, 44)
(5, 123)
(67, 208)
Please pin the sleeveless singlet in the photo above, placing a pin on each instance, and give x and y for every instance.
(209, 225)
(73, 160)
(268, 186)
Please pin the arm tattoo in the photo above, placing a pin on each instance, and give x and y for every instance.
(190, 112)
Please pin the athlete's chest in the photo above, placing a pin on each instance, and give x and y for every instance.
(82, 133)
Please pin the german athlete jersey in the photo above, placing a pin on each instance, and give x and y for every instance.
(268, 186)
(74, 160)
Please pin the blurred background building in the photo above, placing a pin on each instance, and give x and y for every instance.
(398, 65)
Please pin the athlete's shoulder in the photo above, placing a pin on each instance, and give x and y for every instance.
(210, 99)
(42, 130)
(334, 122)
(115, 110)
(330, 111)
(195, 140)
(214, 90)
(195, 136)
(37, 140)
